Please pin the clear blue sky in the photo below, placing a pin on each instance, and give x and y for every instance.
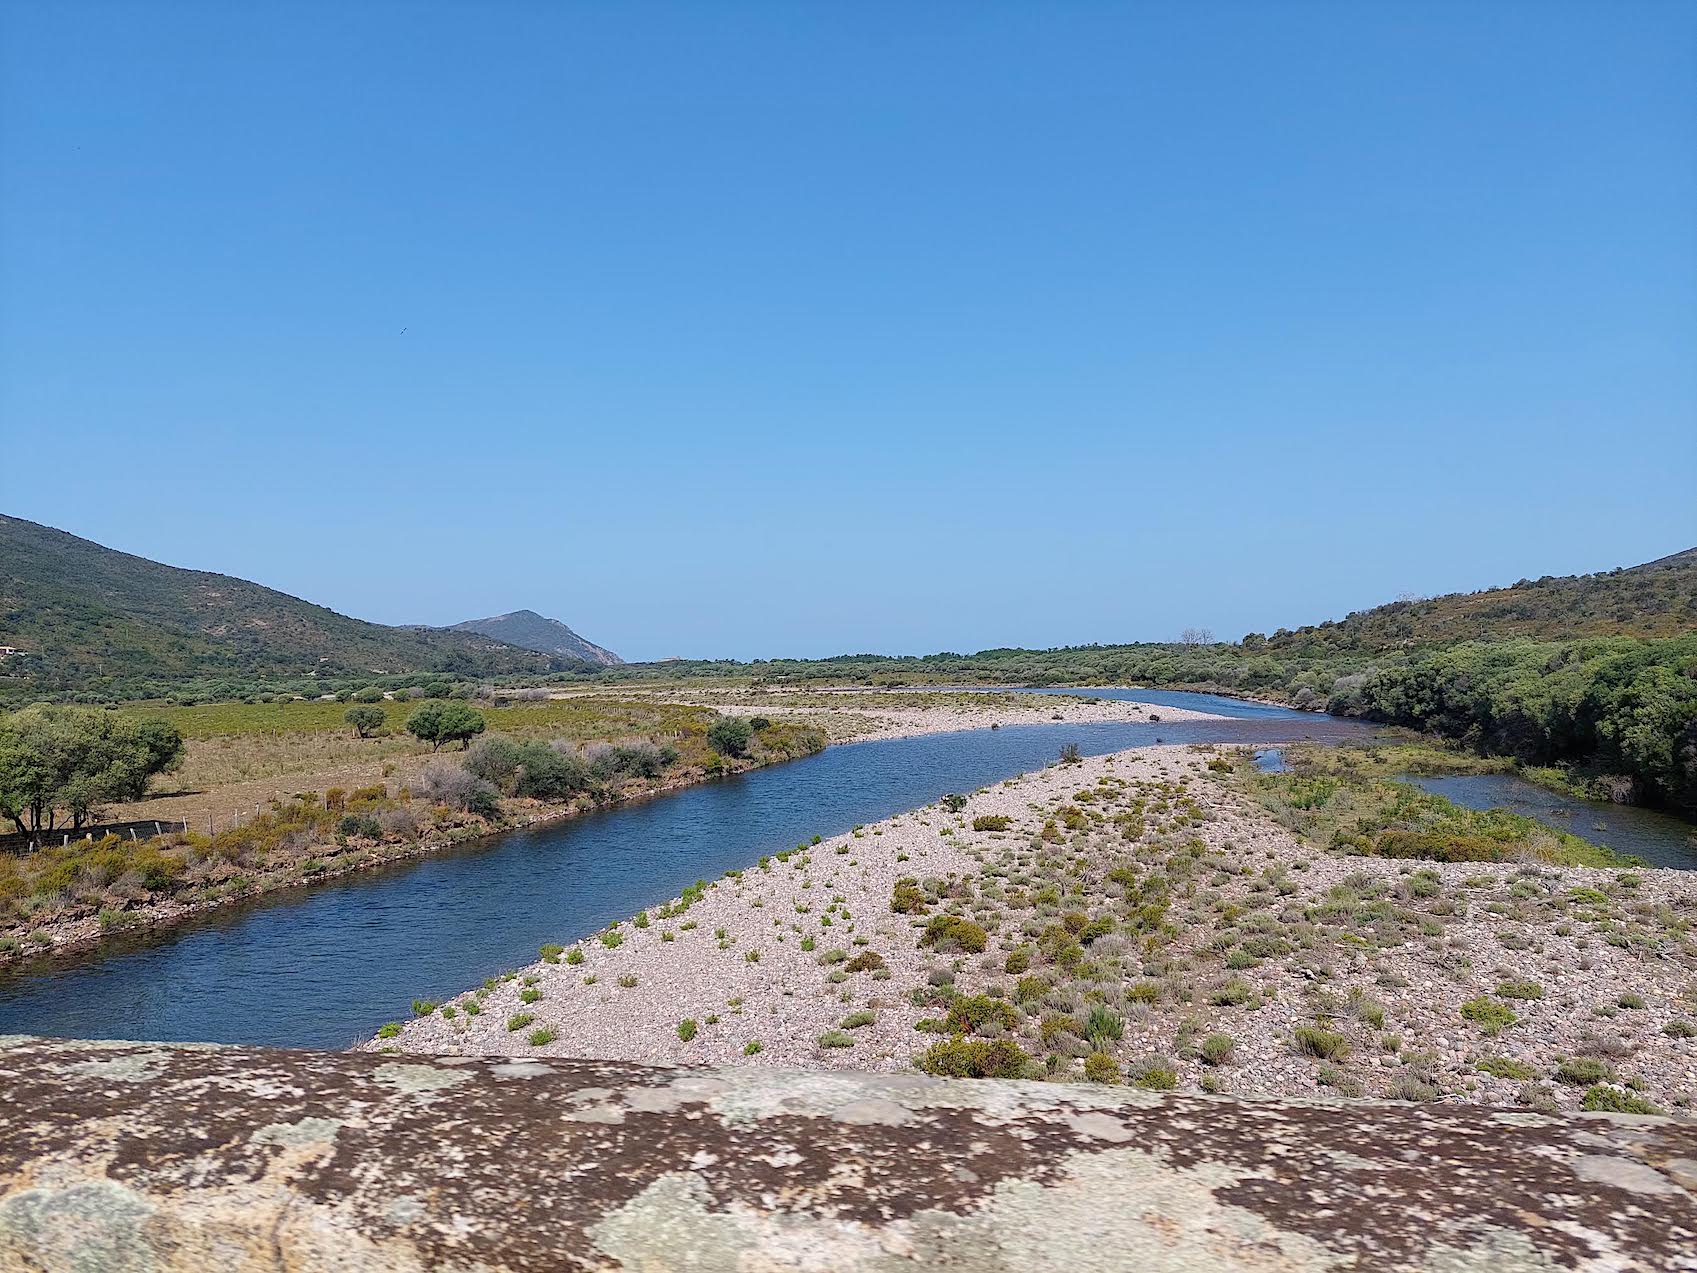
(801, 329)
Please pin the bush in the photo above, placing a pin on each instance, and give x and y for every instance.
(686, 1029)
(729, 736)
(974, 1058)
(1520, 990)
(907, 898)
(548, 773)
(1099, 1067)
(1503, 1068)
(495, 761)
(1217, 1049)
(1157, 1076)
(1488, 1014)
(836, 1039)
(991, 822)
(969, 1014)
(865, 961)
(363, 825)
(945, 932)
(1103, 1023)
(448, 784)
(1317, 1041)
(1614, 1100)
(1582, 1070)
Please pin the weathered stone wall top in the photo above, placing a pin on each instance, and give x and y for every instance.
(134, 1156)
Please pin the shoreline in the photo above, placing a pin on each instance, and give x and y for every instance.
(75, 935)
(755, 969)
(80, 933)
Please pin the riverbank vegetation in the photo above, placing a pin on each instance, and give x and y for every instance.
(1613, 717)
(1347, 799)
(69, 892)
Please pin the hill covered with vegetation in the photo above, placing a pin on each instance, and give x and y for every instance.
(1657, 599)
(531, 631)
(1593, 674)
(93, 622)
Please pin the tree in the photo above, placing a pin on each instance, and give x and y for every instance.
(461, 724)
(438, 723)
(729, 735)
(69, 759)
(365, 720)
(1197, 636)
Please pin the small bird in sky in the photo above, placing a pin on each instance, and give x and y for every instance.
(405, 330)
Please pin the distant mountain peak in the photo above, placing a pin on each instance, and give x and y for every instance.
(532, 631)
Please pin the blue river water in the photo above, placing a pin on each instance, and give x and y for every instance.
(324, 965)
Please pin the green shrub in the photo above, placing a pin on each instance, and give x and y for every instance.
(1099, 1067)
(865, 961)
(945, 932)
(1157, 1076)
(686, 1029)
(907, 898)
(965, 1057)
(1103, 1023)
(389, 1030)
(991, 822)
(730, 735)
(1488, 1014)
(1520, 990)
(1317, 1041)
(518, 1021)
(1582, 1071)
(1234, 993)
(543, 1035)
(551, 953)
(752, 1047)
(969, 1014)
(1018, 960)
(1614, 1100)
(1503, 1068)
(859, 1020)
(836, 1039)
(1217, 1049)
(423, 1007)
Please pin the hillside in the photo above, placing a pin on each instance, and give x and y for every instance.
(93, 620)
(1656, 599)
(531, 631)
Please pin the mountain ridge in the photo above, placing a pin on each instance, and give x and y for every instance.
(532, 631)
(97, 620)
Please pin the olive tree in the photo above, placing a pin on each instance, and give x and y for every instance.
(438, 723)
(68, 760)
(365, 720)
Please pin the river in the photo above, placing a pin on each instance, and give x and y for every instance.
(324, 965)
